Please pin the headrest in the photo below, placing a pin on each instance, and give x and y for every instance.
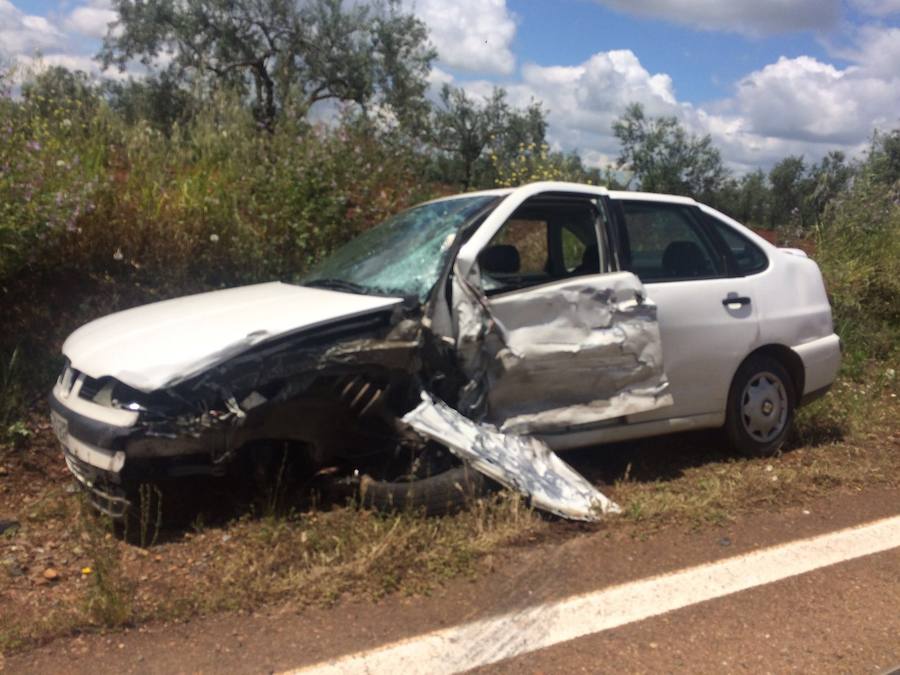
(500, 258)
(684, 259)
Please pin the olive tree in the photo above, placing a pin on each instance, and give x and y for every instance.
(281, 52)
(664, 157)
(468, 132)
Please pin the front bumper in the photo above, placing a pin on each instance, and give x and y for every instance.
(106, 494)
(93, 441)
(102, 448)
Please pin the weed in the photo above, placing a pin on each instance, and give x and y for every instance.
(150, 505)
(108, 601)
(10, 392)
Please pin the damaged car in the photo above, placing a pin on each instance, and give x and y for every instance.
(470, 336)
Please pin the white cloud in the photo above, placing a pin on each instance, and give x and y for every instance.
(471, 35)
(756, 17)
(803, 99)
(36, 64)
(797, 106)
(92, 20)
(875, 49)
(584, 100)
(23, 33)
(438, 77)
(877, 7)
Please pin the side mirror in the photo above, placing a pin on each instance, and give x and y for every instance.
(500, 259)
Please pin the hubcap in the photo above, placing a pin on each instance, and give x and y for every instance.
(764, 407)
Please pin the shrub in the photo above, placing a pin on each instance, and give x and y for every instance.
(859, 251)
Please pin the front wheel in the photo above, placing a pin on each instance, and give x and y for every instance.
(432, 481)
(761, 406)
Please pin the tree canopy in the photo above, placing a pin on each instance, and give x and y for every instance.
(664, 157)
(283, 53)
(467, 131)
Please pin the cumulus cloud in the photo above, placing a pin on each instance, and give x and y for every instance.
(803, 99)
(471, 35)
(91, 20)
(792, 106)
(760, 17)
(32, 64)
(584, 100)
(878, 7)
(24, 33)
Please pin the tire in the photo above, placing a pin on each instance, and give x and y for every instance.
(446, 492)
(761, 404)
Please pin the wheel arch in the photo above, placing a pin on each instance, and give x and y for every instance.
(788, 358)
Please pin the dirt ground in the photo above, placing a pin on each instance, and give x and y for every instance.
(63, 573)
(834, 620)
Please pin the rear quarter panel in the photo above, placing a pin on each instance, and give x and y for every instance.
(793, 305)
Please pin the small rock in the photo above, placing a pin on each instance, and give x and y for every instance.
(13, 567)
(51, 574)
(724, 541)
(8, 526)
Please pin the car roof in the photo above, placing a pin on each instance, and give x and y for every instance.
(650, 197)
(557, 186)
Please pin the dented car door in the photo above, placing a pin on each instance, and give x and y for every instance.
(552, 338)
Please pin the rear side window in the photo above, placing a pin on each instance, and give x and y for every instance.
(664, 242)
(748, 257)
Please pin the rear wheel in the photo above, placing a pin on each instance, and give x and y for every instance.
(433, 481)
(761, 406)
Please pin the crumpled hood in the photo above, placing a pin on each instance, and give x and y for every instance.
(161, 344)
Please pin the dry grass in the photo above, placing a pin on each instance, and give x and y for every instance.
(849, 441)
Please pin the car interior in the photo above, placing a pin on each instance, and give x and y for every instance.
(545, 240)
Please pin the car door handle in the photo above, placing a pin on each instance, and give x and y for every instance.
(740, 301)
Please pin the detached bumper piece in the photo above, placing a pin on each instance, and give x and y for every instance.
(521, 463)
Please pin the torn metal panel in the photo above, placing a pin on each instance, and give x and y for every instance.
(561, 355)
(521, 463)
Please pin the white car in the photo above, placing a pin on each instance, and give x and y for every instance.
(562, 314)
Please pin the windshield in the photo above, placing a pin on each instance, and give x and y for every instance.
(404, 255)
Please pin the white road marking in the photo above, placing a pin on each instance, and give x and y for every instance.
(459, 648)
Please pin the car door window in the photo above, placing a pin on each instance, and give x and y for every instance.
(545, 240)
(748, 257)
(665, 242)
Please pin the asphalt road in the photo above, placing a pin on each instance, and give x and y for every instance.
(841, 618)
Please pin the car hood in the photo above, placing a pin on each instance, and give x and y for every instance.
(164, 343)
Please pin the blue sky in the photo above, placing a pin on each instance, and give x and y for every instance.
(765, 78)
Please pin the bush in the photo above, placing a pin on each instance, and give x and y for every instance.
(859, 252)
(97, 214)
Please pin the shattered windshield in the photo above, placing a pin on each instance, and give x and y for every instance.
(404, 255)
